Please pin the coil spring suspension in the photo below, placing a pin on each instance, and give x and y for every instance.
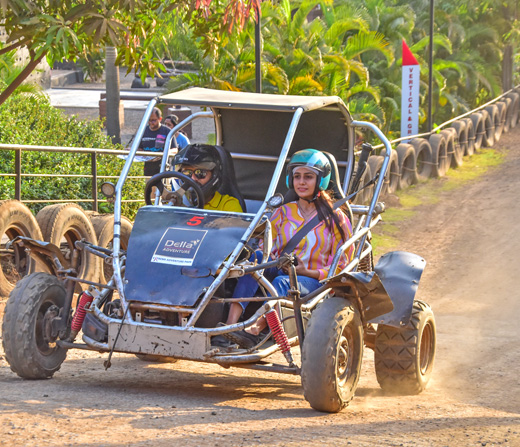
(273, 320)
(79, 316)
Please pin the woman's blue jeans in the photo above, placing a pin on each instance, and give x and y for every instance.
(247, 285)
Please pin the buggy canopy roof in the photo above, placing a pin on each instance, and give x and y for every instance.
(253, 101)
(254, 128)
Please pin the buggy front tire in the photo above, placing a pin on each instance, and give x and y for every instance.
(404, 356)
(332, 355)
(28, 339)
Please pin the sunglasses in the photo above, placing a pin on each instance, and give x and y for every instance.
(199, 173)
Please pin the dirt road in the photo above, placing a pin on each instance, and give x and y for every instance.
(472, 281)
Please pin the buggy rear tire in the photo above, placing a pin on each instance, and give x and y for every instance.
(64, 224)
(28, 341)
(332, 355)
(15, 220)
(404, 356)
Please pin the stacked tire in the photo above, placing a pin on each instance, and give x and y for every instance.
(422, 158)
(62, 225)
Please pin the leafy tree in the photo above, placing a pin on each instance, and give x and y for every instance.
(68, 29)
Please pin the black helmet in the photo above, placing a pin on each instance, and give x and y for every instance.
(203, 156)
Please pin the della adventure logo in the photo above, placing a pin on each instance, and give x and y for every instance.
(178, 246)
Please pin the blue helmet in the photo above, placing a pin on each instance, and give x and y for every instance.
(313, 159)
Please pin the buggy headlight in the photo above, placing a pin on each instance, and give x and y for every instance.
(108, 190)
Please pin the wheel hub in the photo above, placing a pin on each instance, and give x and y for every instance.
(49, 334)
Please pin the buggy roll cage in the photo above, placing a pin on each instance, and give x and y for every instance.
(297, 105)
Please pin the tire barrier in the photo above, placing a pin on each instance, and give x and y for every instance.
(363, 195)
(449, 135)
(470, 131)
(439, 155)
(407, 165)
(495, 119)
(507, 124)
(489, 127)
(480, 129)
(502, 109)
(104, 227)
(514, 108)
(423, 158)
(461, 142)
(393, 175)
(375, 162)
(15, 220)
(64, 224)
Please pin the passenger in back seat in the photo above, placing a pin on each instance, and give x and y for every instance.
(202, 163)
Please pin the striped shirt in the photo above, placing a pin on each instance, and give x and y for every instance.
(318, 247)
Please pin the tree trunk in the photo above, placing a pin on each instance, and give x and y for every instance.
(29, 68)
(113, 95)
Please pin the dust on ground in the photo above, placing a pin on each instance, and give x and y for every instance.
(470, 242)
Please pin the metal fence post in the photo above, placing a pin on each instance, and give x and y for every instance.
(18, 172)
(93, 160)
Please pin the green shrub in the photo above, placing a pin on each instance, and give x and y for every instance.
(29, 119)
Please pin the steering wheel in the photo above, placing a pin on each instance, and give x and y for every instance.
(174, 196)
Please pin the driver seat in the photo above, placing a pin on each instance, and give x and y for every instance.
(229, 182)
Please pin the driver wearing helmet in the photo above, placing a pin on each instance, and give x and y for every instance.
(308, 174)
(202, 163)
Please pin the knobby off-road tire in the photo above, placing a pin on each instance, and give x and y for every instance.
(104, 227)
(64, 224)
(404, 356)
(15, 220)
(29, 347)
(332, 355)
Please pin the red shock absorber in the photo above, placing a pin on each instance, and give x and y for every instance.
(273, 320)
(79, 316)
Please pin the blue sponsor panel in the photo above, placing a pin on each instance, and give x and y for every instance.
(174, 253)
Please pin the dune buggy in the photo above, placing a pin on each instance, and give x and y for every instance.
(169, 293)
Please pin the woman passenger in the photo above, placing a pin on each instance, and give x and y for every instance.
(308, 173)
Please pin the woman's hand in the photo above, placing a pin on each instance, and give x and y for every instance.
(304, 271)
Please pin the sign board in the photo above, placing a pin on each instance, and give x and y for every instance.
(411, 73)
